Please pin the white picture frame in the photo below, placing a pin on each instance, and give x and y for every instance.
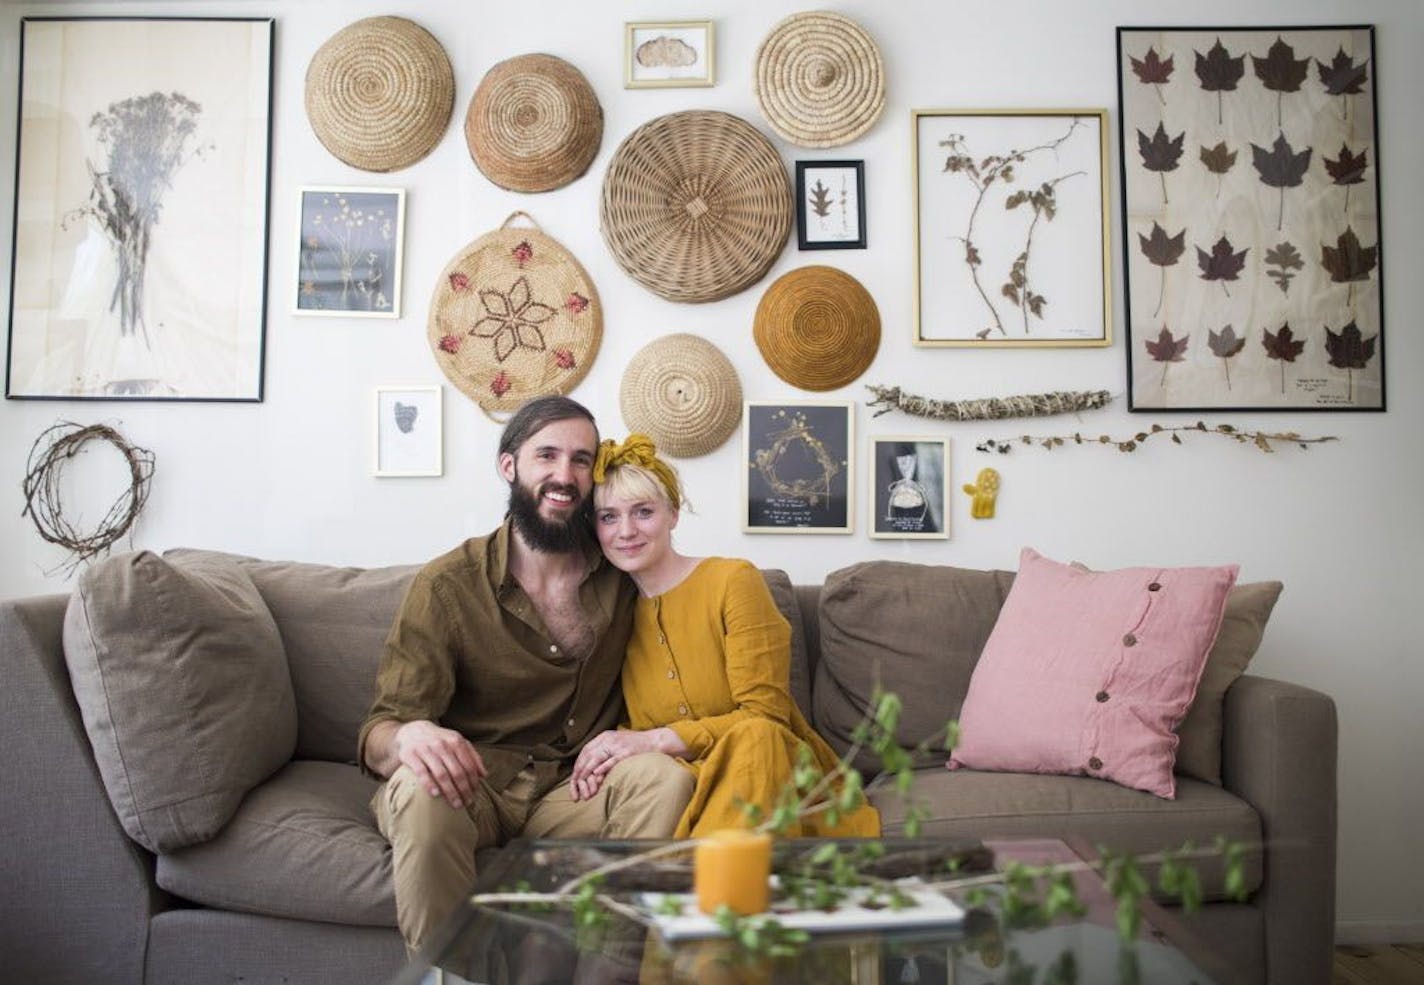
(349, 251)
(669, 54)
(908, 494)
(408, 434)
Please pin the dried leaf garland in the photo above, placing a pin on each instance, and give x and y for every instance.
(1261, 439)
(889, 398)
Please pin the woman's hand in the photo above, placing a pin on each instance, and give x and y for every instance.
(607, 749)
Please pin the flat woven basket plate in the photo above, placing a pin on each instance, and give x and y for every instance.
(683, 392)
(820, 80)
(534, 124)
(696, 205)
(817, 328)
(514, 316)
(379, 93)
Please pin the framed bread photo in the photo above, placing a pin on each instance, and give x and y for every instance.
(909, 482)
(408, 439)
(799, 462)
(668, 54)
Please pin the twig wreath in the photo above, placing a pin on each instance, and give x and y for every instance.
(55, 447)
(811, 490)
(889, 398)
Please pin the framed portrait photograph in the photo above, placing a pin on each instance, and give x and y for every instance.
(1011, 228)
(408, 439)
(141, 209)
(799, 458)
(349, 252)
(668, 54)
(1251, 207)
(830, 205)
(909, 483)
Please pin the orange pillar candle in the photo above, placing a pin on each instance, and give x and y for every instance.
(734, 868)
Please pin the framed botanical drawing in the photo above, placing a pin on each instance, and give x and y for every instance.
(140, 245)
(666, 54)
(1250, 184)
(909, 482)
(799, 457)
(830, 205)
(1011, 227)
(349, 252)
(408, 439)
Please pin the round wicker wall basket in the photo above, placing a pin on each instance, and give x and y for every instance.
(514, 316)
(683, 392)
(820, 80)
(696, 205)
(817, 328)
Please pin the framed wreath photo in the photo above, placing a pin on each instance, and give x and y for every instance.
(1011, 228)
(1251, 205)
(669, 54)
(408, 433)
(830, 205)
(909, 483)
(349, 252)
(140, 242)
(799, 459)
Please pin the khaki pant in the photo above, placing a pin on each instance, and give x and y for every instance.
(433, 845)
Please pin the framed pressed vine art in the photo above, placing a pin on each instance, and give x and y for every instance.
(1250, 184)
(1011, 227)
(798, 458)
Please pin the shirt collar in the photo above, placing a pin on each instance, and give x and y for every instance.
(500, 577)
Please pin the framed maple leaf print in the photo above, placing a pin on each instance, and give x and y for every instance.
(1251, 195)
(1011, 228)
(830, 205)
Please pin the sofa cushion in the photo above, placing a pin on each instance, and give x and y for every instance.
(784, 595)
(1247, 609)
(303, 845)
(974, 804)
(1089, 672)
(182, 682)
(333, 623)
(917, 630)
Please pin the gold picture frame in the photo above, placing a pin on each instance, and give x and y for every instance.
(669, 54)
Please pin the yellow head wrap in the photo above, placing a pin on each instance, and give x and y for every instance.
(639, 450)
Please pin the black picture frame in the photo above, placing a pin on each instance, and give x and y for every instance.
(799, 460)
(826, 216)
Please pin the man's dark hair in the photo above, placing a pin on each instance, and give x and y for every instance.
(538, 414)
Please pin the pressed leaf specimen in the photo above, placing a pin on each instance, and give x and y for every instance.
(1153, 70)
(1160, 153)
(1226, 345)
(1167, 350)
(1280, 71)
(820, 199)
(1349, 351)
(1349, 261)
(1283, 347)
(1162, 251)
(1282, 260)
(1044, 203)
(1219, 72)
(1218, 161)
(1222, 263)
(1347, 169)
(1343, 78)
(1280, 167)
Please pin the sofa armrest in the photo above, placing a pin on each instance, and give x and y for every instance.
(78, 892)
(1279, 754)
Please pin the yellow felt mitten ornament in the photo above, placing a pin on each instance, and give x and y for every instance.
(984, 488)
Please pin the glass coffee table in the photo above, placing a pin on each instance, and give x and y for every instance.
(540, 945)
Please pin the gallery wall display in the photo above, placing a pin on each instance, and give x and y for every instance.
(407, 437)
(123, 122)
(349, 252)
(1011, 228)
(799, 460)
(1250, 182)
(909, 483)
(668, 54)
(830, 205)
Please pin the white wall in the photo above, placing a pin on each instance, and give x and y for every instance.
(290, 478)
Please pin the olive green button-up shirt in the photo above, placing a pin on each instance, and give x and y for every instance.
(470, 651)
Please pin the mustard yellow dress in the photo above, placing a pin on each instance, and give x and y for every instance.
(711, 660)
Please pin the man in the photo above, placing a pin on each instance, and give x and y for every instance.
(503, 661)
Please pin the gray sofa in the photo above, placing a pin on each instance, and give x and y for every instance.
(295, 887)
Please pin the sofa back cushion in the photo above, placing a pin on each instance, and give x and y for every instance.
(182, 683)
(915, 629)
(783, 593)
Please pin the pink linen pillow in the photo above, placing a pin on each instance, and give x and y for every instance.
(1089, 672)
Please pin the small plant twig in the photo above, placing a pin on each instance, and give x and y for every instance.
(1263, 440)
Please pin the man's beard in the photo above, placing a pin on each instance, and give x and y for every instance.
(550, 536)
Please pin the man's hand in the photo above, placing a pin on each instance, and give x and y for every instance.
(443, 760)
(607, 749)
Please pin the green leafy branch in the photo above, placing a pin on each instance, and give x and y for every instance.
(1264, 440)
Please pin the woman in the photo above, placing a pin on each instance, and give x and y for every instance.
(706, 677)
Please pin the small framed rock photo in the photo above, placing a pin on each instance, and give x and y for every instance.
(668, 54)
(830, 205)
(909, 481)
(408, 439)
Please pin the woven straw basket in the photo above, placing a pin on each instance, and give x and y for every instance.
(514, 316)
(681, 391)
(820, 80)
(379, 93)
(534, 124)
(817, 328)
(696, 205)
